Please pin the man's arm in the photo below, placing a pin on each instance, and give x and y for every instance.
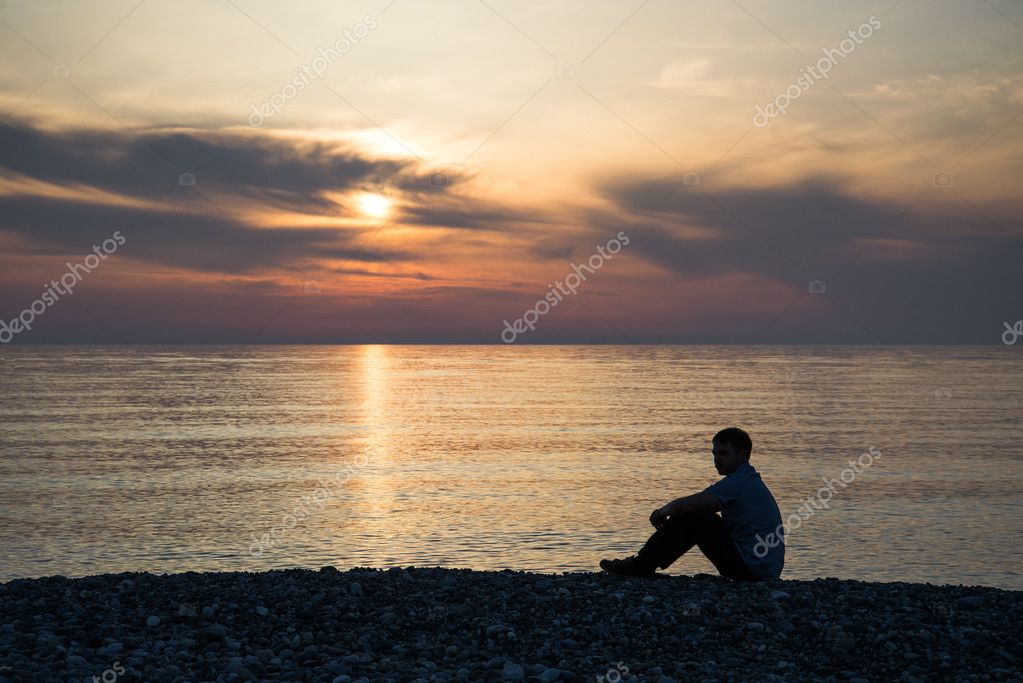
(698, 501)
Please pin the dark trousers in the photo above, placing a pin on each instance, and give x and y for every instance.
(704, 529)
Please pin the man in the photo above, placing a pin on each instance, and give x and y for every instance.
(729, 540)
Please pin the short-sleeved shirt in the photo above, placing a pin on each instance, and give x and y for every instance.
(751, 515)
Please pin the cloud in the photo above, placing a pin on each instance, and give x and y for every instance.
(66, 189)
(467, 214)
(881, 257)
(207, 243)
(695, 77)
(689, 75)
(293, 171)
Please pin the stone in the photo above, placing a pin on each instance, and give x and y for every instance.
(215, 631)
(846, 644)
(512, 672)
(970, 602)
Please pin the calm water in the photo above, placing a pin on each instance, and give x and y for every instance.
(535, 458)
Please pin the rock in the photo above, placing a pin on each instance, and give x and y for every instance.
(512, 672)
(560, 628)
(971, 602)
(355, 588)
(217, 631)
(780, 595)
(846, 644)
(153, 621)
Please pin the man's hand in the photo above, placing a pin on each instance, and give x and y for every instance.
(697, 501)
(658, 517)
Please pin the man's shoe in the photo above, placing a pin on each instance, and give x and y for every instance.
(630, 566)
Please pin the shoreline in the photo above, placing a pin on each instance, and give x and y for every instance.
(435, 624)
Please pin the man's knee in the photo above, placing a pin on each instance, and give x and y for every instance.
(685, 521)
(692, 517)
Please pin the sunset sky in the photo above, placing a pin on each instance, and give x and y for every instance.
(452, 159)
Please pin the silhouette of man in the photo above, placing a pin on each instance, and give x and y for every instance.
(733, 540)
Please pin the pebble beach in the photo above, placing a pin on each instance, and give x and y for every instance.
(433, 624)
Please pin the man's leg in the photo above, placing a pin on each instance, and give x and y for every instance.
(704, 529)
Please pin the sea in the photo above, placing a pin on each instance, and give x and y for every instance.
(900, 463)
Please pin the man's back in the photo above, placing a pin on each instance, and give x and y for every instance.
(751, 515)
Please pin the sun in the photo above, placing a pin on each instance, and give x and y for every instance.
(374, 205)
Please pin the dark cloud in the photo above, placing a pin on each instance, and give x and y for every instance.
(934, 267)
(147, 163)
(188, 226)
(466, 214)
(202, 242)
(795, 232)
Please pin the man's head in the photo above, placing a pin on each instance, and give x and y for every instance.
(731, 448)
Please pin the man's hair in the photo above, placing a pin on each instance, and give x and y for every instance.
(738, 439)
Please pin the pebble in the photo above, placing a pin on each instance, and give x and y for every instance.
(215, 631)
(438, 625)
(970, 602)
(846, 644)
(512, 672)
